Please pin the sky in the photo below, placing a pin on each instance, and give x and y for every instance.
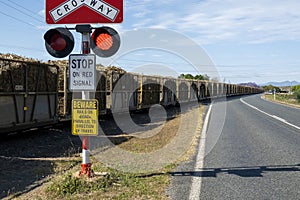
(248, 41)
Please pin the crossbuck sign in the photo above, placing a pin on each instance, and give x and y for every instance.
(84, 11)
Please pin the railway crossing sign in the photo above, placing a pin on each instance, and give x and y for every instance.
(85, 117)
(84, 11)
(82, 69)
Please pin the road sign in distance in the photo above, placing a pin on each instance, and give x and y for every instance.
(105, 41)
(82, 69)
(59, 42)
(85, 117)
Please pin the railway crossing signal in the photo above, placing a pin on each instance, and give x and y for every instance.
(105, 41)
(59, 42)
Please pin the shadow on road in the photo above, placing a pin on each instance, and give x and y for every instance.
(249, 171)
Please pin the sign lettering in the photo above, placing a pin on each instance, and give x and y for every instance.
(101, 7)
(82, 72)
(84, 117)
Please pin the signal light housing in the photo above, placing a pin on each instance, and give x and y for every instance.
(105, 41)
(59, 42)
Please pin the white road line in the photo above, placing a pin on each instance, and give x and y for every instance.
(197, 180)
(273, 116)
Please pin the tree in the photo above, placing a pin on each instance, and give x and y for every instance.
(295, 88)
(297, 95)
(268, 88)
(202, 77)
(197, 77)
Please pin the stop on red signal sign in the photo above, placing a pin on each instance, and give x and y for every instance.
(82, 72)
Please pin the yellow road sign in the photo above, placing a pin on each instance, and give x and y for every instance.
(84, 117)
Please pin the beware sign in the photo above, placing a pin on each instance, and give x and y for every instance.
(82, 69)
(84, 11)
(85, 117)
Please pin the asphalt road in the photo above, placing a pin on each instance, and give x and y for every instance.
(255, 156)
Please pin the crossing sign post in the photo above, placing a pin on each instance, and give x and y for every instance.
(105, 42)
(84, 11)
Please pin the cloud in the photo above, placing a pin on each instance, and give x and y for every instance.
(42, 13)
(222, 20)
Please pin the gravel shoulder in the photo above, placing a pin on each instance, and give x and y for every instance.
(29, 159)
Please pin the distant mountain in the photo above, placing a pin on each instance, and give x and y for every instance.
(281, 84)
(249, 84)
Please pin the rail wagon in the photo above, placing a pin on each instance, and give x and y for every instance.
(169, 92)
(123, 93)
(28, 95)
(34, 94)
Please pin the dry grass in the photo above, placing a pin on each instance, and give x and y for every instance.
(158, 141)
(114, 184)
(283, 98)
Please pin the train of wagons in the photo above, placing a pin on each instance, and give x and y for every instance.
(35, 94)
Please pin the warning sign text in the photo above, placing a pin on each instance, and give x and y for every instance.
(85, 117)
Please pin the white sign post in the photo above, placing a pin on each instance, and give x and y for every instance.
(82, 69)
(82, 72)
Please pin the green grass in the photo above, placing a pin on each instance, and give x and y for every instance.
(120, 185)
(283, 98)
(112, 185)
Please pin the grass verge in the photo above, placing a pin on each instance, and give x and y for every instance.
(113, 184)
(283, 98)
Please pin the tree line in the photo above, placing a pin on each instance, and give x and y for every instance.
(294, 89)
(296, 92)
(196, 77)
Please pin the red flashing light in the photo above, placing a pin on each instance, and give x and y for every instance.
(105, 41)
